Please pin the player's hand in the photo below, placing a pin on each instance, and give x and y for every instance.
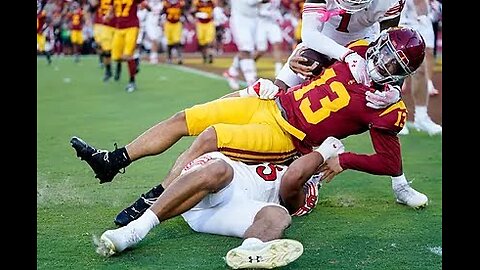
(383, 99)
(262, 88)
(358, 67)
(330, 169)
(296, 64)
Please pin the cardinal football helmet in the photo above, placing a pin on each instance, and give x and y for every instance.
(352, 6)
(395, 54)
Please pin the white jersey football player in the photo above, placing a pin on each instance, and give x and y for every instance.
(153, 30)
(416, 15)
(243, 24)
(269, 31)
(217, 195)
(329, 25)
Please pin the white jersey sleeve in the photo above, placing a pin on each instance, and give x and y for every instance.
(312, 32)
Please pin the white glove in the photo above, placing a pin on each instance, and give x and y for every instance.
(262, 88)
(358, 67)
(330, 147)
(383, 99)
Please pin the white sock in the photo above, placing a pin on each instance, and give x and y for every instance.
(420, 112)
(249, 70)
(153, 55)
(278, 67)
(234, 67)
(145, 223)
(399, 180)
(430, 85)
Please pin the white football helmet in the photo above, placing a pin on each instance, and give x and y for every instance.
(352, 6)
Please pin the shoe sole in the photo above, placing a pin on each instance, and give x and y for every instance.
(105, 246)
(420, 206)
(277, 253)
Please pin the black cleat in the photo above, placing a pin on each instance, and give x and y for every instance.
(98, 160)
(134, 211)
(116, 77)
(107, 77)
(139, 207)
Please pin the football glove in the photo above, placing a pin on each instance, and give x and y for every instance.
(383, 99)
(330, 147)
(262, 88)
(358, 67)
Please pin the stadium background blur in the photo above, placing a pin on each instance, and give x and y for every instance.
(56, 10)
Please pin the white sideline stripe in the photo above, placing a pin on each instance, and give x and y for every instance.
(196, 71)
(200, 72)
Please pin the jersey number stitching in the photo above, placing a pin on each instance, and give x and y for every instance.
(328, 106)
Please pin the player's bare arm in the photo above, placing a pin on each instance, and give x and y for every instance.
(291, 187)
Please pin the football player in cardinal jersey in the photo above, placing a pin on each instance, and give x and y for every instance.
(276, 125)
(172, 13)
(76, 19)
(204, 27)
(328, 26)
(125, 37)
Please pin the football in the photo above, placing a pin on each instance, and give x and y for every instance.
(314, 56)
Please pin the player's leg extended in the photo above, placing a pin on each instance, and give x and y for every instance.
(204, 143)
(241, 140)
(210, 176)
(160, 137)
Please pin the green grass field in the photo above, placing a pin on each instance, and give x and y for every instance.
(357, 224)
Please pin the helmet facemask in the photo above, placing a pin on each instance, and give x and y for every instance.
(385, 64)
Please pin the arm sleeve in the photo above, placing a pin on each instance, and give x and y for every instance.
(387, 159)
(312, 36)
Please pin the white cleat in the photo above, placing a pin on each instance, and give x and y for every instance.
(115, 241)
(253, 253)
(405, 194)
(404, 130)
(232, 81)
(427, 125)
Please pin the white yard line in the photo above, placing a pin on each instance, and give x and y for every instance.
(200, 72)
